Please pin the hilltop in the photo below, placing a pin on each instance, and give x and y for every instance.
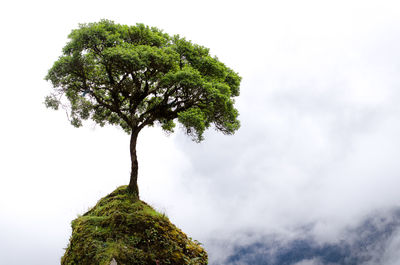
(124, 229)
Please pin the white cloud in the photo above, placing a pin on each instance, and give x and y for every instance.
(309, 262)
(319, 112)
(391, 255)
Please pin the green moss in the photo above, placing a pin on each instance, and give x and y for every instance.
(130, 231)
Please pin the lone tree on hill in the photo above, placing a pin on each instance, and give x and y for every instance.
(137, 76)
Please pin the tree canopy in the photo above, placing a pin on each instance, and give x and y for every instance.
(137, 76)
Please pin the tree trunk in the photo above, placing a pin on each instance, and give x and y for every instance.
(133, 186)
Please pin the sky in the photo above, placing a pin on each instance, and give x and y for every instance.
(318, 145)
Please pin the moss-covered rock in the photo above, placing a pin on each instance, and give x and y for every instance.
(130, 232)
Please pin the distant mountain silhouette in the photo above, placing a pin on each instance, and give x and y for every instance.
(365, 243)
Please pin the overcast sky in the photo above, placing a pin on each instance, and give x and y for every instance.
(319, 142)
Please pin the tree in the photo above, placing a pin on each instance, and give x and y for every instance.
(137, 76)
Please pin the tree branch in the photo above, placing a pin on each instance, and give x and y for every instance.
(111, 107)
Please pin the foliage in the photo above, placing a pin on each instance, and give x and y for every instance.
(130, 231)
(137, 76)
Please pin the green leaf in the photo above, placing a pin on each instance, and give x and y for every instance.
(137, 76)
